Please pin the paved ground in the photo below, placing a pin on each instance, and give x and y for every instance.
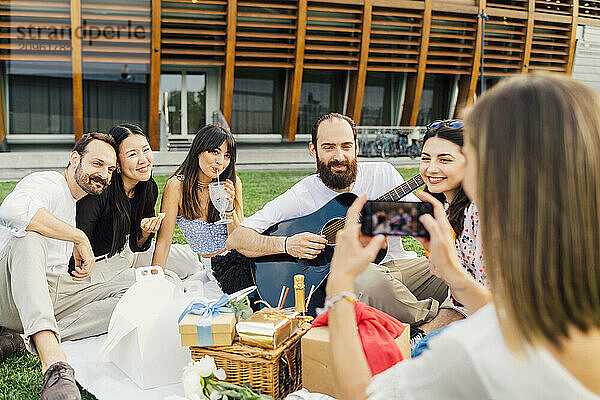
(290, 156)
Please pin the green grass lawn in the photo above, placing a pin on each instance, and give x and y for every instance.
(20, 377)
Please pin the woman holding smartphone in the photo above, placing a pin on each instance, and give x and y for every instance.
(186, 200)
(121, 221)
(538, 334)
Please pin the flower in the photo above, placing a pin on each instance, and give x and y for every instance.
(200, 381)
(192, 383)
(214, 395)
(220, 374)
(205, 367)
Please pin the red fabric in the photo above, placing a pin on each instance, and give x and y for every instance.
(377, 332)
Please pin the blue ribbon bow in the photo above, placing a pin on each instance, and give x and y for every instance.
(207, 311)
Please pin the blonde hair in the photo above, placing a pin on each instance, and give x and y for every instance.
(537, 139)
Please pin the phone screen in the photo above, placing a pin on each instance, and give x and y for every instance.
(394, 218)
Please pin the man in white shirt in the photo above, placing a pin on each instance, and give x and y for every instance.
(401, 285)
(37, 238)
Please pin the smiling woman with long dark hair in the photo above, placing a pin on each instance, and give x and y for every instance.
(186, 201)
(442, 167)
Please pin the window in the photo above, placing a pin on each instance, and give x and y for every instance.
(183, 102)
(40, 98)
(435, 99)
(196, 102)
(257, 100)
(322, 92)
(381, 99)
(112, 99)
(170, 102)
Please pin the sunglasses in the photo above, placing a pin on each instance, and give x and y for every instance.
(450, 123)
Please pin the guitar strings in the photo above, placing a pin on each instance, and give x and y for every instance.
(336, 226)
(339, 224)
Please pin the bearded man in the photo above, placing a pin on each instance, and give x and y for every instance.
(37, 238)
(401, 285)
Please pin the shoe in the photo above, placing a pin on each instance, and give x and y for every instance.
(416, 335)
(59, 383)
(11, 344)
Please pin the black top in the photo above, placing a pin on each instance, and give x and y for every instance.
(94, 217)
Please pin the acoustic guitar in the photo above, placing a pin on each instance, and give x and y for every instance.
(275, 271)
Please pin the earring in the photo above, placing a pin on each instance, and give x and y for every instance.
(118, 170)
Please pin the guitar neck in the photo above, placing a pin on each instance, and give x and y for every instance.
(399, 192)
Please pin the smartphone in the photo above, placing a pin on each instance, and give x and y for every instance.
(399, 218)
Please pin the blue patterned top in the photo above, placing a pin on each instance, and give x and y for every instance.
(203, 237)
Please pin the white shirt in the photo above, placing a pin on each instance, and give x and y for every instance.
(47, 190)
(310, 194)
(470, 360)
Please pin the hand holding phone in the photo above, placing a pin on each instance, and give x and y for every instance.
(443, 259)
(394, 218)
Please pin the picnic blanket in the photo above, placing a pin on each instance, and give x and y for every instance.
(105, 380)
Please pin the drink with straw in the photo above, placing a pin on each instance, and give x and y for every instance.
(219, 198)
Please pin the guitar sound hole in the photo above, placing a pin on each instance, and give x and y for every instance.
(331, 228)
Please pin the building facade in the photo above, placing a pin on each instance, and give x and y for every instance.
(269, 68)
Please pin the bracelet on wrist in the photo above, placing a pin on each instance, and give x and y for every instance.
(232, 209)
(330, 302)
(285, 245)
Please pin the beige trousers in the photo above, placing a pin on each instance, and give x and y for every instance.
(34, 300)
(404, 289)
(25, 303)
(84, 310)
(181, 260)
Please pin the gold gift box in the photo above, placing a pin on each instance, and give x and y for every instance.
(222, 330)
(267, 328)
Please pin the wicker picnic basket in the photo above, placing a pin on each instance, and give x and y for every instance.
(264, 370)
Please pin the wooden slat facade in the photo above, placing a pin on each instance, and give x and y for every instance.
(421, 68)
(77, 70)
(451, 43)
(550, 47)
(298, 35)
(358, 78)
(35, 45)
(193, 33)
(154, 97)
(266, 33)
(504, 45)
(294, 87)
(132, 22)
(333, 24)
(395, 39)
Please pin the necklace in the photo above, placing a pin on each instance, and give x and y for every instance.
(202, 185)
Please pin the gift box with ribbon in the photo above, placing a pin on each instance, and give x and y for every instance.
(268, 328)
(207, 323)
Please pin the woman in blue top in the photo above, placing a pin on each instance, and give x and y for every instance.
(186, 200)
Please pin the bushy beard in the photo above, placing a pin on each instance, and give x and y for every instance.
(85, 181)
(337, 180)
